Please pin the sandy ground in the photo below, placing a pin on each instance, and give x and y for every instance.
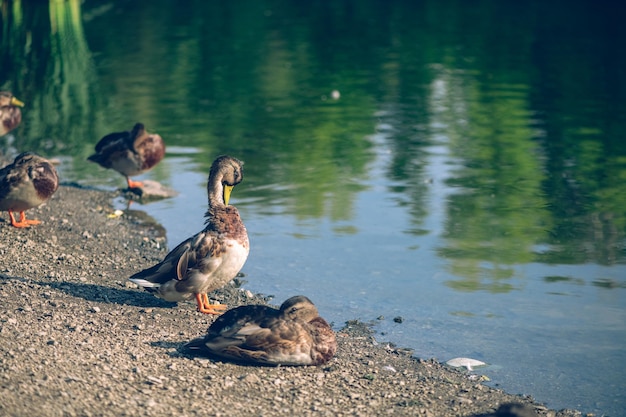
(78, 339)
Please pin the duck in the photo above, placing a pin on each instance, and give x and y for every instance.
(294, 334)
(10, 113)
(130, 153)
(210, 259)
(26, 183)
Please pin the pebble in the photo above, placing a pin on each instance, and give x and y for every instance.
(154, 380)
(252, 379)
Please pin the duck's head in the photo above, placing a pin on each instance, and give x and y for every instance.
(228, 172)
(299, 307)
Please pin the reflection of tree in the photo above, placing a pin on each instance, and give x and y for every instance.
(544, 160)
(45, 56)
(579, 94)
(500, 212)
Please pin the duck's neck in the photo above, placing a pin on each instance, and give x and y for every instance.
(215, 190)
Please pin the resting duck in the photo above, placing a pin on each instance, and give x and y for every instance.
(26, 183)
(211, 258)
(293, 335)
(10, 113)
(130, 153)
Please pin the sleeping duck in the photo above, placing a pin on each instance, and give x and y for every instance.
(211, 258)
(26, 183)
(10, 113)
(295, 334)
(130, 153)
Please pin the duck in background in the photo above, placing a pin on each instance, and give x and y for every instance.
(130, 153)
(211, 258)
(26, 183)
(295, 334)
(10, 113)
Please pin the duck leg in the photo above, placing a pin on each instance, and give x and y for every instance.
(204, 306)
(22, 222)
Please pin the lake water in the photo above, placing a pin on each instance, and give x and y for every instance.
(459, 164)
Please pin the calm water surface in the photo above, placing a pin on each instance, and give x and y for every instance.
(469, 177)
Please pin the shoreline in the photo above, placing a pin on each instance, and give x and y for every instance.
(78, 339)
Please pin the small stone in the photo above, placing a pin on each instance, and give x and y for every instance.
(398, 319)
(252, 379)
(153, 380)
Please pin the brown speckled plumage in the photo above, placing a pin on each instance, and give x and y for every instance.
(211, 258)
(26, 183)
(10, 113)
(293, 335)
(130, 153)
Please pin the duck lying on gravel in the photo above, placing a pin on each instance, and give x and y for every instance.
(211, 258)
(130, 153)
(10, 113)
(295, 334)
(26, 183)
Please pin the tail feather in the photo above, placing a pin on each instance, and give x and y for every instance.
(97, 158)
(144, 283)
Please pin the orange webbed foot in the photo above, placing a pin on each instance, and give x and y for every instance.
(22, 222)
(134, 184)
(204, 306)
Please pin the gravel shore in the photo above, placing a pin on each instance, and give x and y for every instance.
(78, 339)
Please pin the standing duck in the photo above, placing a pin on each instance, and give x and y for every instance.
(10, 113)
(130, 153)
(211, 258)
(295, 334)
(26, 183)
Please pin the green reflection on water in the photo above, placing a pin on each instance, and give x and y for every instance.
(500, 211)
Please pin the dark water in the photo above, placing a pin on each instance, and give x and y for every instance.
(468, 173)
